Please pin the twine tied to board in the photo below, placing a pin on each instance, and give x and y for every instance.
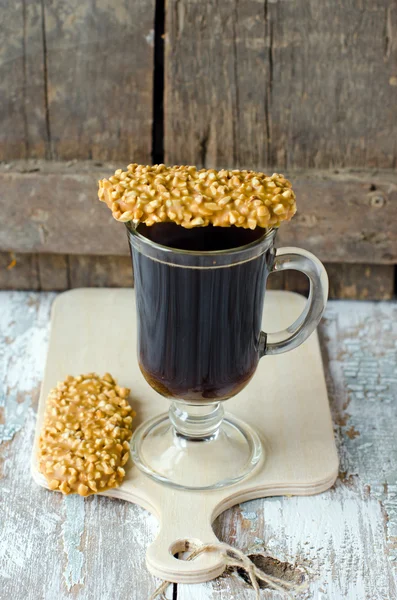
(236, 558)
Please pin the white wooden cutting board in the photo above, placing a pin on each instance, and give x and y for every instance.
(286, 402)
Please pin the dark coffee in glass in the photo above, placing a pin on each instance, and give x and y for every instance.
(199, 328)
(199, 298)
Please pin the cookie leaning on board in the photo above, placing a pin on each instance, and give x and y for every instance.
(197, 198)
(83, 445)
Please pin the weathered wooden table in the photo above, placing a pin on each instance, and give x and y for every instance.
(54, 547)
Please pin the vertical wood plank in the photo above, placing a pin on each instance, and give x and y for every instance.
(216, 75)
(81, 537)
(100, 271)
(276, 281)
(252, 84)
(361, 282)
(346, 537)
(296, 282)
(53, 546)
(347, 281)
(312, 532)
(22, 110)
(333, 96)
(19, 271)
(99, 57)
(53, 272)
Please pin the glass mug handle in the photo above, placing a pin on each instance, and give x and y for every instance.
(305, 324)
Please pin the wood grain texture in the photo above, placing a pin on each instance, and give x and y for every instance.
(52, 547)
(100, 271)
(61, 212)
(19, 271)
(57, 272)
(215, 59)
(287, 84)
(53, 272)
(331, 99)
(349, 281)
(361, 282)
(23, 132)
(340, 215)
(346, 537)
(87, 333)
(343, 216)
(99, 58)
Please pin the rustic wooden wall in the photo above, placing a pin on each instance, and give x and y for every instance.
(76, 79)
(304, 87)
(286, 84)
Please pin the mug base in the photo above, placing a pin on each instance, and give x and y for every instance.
(186, 463)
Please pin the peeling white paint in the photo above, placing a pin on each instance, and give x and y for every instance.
(72, 531)
(325, 529)
(23, 344)
(249, 515)
(338, 536)
(347, 536)
(12, 555)
(363, 361)
(47, 546)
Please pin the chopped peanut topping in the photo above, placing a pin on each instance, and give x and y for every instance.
(84, 440)
(192, 198)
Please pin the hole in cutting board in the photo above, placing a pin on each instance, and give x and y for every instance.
(182, 548)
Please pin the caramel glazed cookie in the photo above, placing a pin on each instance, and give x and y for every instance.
(197, 198)
(83, 445)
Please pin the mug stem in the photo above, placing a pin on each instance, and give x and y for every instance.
(196, 422)
(194, 448)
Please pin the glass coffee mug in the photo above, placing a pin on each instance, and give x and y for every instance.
(199, 313)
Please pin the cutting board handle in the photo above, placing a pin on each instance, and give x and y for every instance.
(184, 527)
